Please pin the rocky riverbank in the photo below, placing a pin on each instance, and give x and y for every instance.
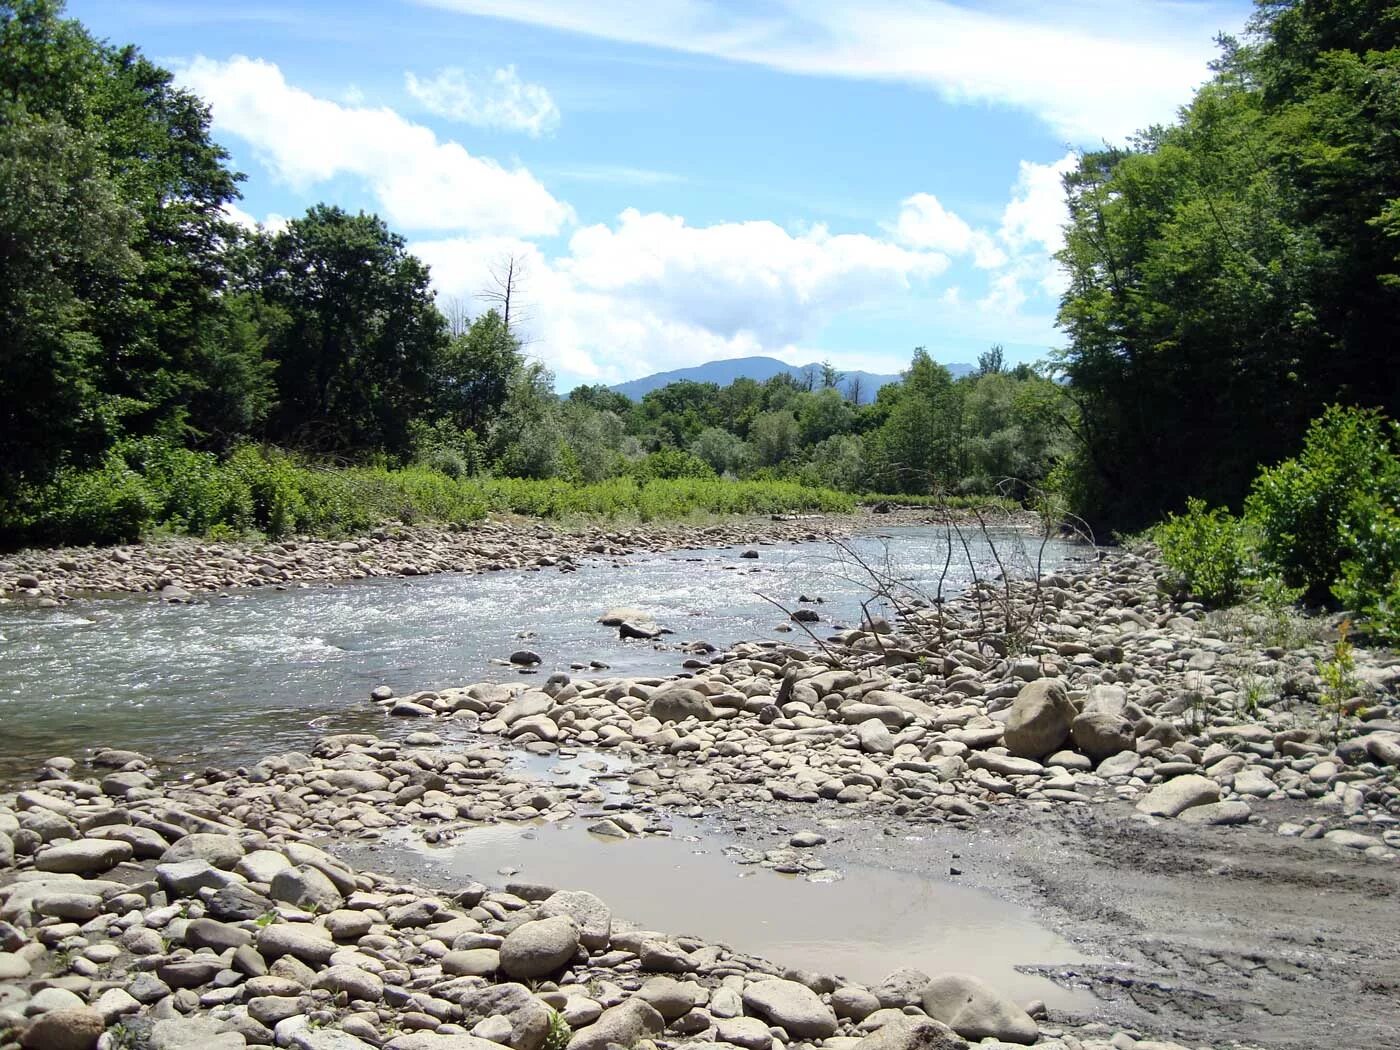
(177, 569)
(150, 912)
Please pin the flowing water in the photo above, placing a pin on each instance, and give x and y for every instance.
(235, 677)
(238, 676)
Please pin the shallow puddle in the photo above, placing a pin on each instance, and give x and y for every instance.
(861, 925)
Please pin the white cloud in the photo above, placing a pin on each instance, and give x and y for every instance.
(1089, 68)
(924, 223)
(1036, 214)
(420, 182)
(651, 291)
(501, 100)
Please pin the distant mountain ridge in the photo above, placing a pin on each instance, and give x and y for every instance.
(760, 368)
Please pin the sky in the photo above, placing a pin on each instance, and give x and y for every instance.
(688, 180)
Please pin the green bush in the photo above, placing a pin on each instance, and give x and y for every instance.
(1208, 549)
(111, 504)
(1370, 579)
(1311, 509)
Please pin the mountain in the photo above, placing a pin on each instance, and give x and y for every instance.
(760, 368)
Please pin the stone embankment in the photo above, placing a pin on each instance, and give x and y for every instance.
(179, 568)
(207, 913)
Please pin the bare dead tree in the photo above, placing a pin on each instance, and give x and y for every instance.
(855, 389)
(508, 276)
(454, 309)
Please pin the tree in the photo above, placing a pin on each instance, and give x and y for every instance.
(823, 414)
(114, 243)
(525, 439)
(724, 452)
(918, 446)
(1234, 272)
(774, 438)
(991, 361)
(505, 290)
(831, 378)
(602, 398)
(362, 340)
(475, 373)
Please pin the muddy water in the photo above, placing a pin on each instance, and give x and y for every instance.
(239, 676)
(858, 921)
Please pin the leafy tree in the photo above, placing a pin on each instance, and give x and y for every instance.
(602, 398)
(723, 451)
(362, 340)
(1233, 273)
(475, 372)
(774, 438)
(823, 414)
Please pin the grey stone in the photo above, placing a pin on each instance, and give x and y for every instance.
(677, 703)
(83, 857)
(912, 1033)
(1213, 813)
(624, 1024)
(1179, 794)
(535, 949)
(193, 1033)
(305, 887)
(1039, 720)
(975, 1011)
(222, 851)
(312, 944)
(594, 918)
(791, 1006)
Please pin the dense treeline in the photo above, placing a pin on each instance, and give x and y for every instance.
(1230, 275)
(1234, 273)
(166, 366)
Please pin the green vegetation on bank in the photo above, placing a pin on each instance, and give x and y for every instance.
(1322, 526)
(157, 355)
(145, 486)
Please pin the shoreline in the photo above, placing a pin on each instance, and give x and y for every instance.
(179, 568)
(166, 886)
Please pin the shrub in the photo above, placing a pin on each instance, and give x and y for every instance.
(1208, 549)
(1310, 511)
(1370, 578)
(111, 504)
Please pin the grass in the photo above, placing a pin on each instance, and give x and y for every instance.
(147, 489)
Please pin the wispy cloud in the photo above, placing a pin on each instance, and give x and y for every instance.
(499, 99)
(615, 174)
(1088, 68)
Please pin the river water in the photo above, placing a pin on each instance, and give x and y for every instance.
(242, 675)
(235, 677)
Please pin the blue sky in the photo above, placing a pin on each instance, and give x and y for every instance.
(687, 180)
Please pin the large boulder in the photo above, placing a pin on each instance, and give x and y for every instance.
(793, 1007)
(1040, 718)
(625, 1024)
(594, 918)
(536, 949)
(1179, 794)
(1101, 734)
(974, 1010)
(913, 1033)
(677, 703)
(84, 857)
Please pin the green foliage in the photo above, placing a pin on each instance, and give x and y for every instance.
(1339, 682)
(1369, 584)
(559, 1032)
(669, 464)
(1233, 273)
(1208, 549)
(1312, 510)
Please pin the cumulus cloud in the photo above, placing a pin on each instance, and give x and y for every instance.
(421, 183)
(924, 223)
(651, 291)
(1088, 68)
(499, 100)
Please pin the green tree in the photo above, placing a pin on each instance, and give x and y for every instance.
(774, 438)
(475, 372)
(723, 451)
(362, 340)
